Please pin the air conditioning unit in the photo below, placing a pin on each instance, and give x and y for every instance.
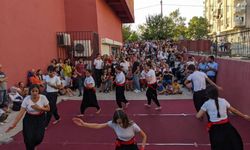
(82, 48)
(63, 39)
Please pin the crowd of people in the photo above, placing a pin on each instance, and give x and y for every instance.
(157, 67)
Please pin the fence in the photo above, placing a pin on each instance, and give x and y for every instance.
(235, 44)
(77, 44)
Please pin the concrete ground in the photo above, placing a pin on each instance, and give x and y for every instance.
(6, 137)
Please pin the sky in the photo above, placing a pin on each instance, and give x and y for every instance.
(188, 9)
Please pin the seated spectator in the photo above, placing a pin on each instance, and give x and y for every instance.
(167, 78)
(160, 88)
(22, 90)
(65, 90)
(16, 98)
(176, 87)
(34, 79)
(3, 113)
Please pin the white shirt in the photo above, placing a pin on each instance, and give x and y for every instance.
(151, 76)
(89, 80)
(27, 103)
(125, 66)
(199, 80)
(210, 107)
(125, 134)
(143, 74)
(54, 81)
(98, 63)
(120, 78)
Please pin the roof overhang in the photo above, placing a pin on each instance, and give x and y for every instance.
(124, 9)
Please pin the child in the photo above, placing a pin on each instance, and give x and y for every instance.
(160, 88)
(104, 80)
(176, 87)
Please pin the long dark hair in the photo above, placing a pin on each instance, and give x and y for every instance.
(120, 114)
(212, 93)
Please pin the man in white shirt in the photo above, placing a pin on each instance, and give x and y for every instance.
(98, 64)
(198, 80)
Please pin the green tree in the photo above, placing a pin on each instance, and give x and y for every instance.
(158, 27)
(126, 31)
(179, 29)
(197, 28)
(128, 34)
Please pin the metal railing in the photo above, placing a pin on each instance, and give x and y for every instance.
(77, 44)
(233, 44)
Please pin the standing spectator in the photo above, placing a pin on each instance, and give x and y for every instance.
(136, 76)
(80, 70)
(34, 108)
(53, 85)
(202, 66)
(212, 68)
(98, 64)
(3, 87)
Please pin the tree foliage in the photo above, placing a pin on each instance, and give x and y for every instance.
(128, 34)
(198, 28)
(158, 27)
(172, 26)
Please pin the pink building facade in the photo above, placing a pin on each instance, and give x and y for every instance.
(28, 29)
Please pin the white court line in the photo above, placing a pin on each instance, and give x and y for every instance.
(181, 114)
(195, 144)
(160, 115)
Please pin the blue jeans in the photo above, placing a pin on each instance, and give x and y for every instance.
(136, 82)
(3, 97)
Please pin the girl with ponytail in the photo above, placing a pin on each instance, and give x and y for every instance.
(223, 136)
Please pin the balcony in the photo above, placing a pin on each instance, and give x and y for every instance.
(239, 21)
(240, 8)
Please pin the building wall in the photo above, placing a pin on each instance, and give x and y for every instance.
(109, 24)
(234, 77)
(81, 15)
(28, 39)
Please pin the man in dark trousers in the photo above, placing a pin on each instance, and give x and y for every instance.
(198, 80)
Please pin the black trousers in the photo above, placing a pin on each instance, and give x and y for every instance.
(225, 137)
(98, 74)
(199, 99)
(151, 94)
(52, 97)
(120, 97)
(33, 130)
(89, 100)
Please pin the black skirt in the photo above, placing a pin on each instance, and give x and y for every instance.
(89, 100)
(225, 137)
(33, 130)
